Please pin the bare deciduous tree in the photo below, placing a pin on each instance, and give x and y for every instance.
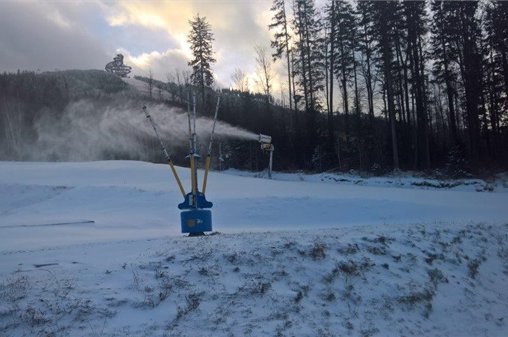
(264, 71)
(240, 80)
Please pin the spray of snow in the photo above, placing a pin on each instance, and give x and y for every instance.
(94, 129)
(174, 125)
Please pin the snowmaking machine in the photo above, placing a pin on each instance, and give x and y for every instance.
(195, 216)
(267, 146)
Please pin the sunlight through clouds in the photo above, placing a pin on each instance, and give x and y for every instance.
(152, 35)
(238, 26)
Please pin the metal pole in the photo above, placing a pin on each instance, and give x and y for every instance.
(220, 156)
(191, 149)
(189, 120)
(166, 154)
(209, 154)
(194, 173)
(270, 164)
(194, 139)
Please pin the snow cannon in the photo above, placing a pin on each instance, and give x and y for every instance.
(195, 218)
(264, 139)
(267, 146)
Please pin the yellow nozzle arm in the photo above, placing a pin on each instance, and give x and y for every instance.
(176, 177)
(207, 168)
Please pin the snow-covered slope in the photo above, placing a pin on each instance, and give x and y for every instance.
(93, 249)
(144, 89)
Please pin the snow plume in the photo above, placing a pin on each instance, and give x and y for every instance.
(174, 124)
(95, 129)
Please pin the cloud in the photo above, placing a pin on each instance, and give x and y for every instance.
(161, 64)
(37, 35)
(237, 26)
(152, 35)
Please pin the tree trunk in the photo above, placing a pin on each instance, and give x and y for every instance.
(504, 59)
(472, 88)
(286, 35)
(331, 75)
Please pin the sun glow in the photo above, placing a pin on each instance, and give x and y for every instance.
(236, 28)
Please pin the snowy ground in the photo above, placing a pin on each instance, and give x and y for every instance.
(93, 249)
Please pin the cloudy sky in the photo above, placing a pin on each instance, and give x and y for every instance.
(49, 35)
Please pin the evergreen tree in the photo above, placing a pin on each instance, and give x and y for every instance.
(330, 26)
(385, 19)
(200, 39)
(309, 66)
(310, 55)
(367, 47)
(366, 44)
(495, 105)
(443, 53)
(414, 12)
(281, 40)
(498, 29)
(470, 64)
(344, 58)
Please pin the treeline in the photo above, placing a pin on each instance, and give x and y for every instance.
(259, 113)
(435, 73)
(371, 85)
(381, 85)
(250, 111)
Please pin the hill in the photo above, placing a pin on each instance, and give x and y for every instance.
(80, 115)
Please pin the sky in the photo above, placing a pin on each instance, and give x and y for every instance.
(152, 35)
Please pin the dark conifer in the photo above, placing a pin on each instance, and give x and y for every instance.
(200, 39)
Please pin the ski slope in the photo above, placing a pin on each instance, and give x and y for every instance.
(94, 249)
